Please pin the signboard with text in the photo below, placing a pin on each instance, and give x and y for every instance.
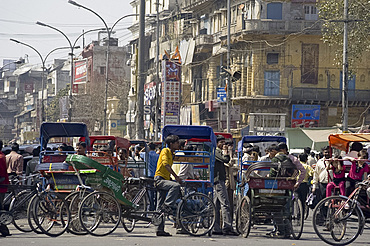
(171, 90)
(80, 71)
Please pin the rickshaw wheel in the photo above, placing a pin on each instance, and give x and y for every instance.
(74, 200)
(196, 214)
(100, 213)
(243, 217)
(20, 215)
(297, 218)
(51, 214)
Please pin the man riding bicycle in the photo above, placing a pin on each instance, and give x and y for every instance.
(163, 182)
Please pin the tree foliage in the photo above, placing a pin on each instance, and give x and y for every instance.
(53, 110)
(332, 12)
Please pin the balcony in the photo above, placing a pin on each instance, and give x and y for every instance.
(194, 5)
(282, 26)
(324, 94)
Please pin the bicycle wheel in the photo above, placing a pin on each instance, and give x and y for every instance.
(128, 223)
(31, 215)
(73, 201)
(51, 214)
(297, 218)
(100, 213)
(243, 217)
(335, 223)
(18, 207)
(196, 214)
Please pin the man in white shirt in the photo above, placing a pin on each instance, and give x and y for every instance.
(320, 175)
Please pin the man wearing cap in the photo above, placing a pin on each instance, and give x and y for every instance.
(221, 199)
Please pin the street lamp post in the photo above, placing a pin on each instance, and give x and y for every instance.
(71, 54)
(42, 76)
(43, 61)
(109, 32)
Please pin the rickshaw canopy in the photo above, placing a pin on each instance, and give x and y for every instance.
(258, 139)
(50, 130)
(120, 142)
(188, 132)
(341, 141)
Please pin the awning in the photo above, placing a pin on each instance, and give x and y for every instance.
(187, 132)
(299, 138)
(342, 141)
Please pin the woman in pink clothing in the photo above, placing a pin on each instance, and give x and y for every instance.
(358, 172)
(339, 171)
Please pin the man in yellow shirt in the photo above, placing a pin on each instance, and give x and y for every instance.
(163, 181)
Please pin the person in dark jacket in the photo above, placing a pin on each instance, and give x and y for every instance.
(221, 199)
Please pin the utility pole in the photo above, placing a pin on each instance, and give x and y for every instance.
(140, 86)
(228, 92)
(345, 71)
(157, 101)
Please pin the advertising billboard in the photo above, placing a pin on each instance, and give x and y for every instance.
(305, 116)
(171, 91)
(80, 71)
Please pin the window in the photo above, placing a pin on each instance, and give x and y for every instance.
(310, 12)
(310, 63)
(275, 11)
(272, 83)
(272, 58)
(102, 70)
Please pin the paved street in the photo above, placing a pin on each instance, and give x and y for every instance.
(146, 236)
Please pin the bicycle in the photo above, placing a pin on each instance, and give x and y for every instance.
(339, 220)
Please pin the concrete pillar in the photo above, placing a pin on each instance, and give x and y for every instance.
(212, 79)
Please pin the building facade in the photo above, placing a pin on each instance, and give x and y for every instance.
(276, 50)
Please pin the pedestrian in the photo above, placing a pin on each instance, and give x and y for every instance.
(168, 190)
(152, 166)
(14, 161)
(358, 172)
(221, 198)
(321, 175)
(32, 164)
(304, 187)
(4, 180)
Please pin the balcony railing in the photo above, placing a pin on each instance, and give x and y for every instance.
(324, 94)
(203, 39)
(278, 26)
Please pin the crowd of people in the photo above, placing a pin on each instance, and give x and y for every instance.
(320, 174)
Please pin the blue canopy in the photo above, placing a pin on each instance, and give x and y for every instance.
(187, 132)
(50, 130)
(258, 139)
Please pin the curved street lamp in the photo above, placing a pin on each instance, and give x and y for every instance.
(43, 61)
(71, 54)
(109, 32)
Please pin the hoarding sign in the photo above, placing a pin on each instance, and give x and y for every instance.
(305, 116)
(171, 90)
(80, 71)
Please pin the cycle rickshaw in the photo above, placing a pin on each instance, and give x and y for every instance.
(339, 220)
(101, 212)
(266, 200)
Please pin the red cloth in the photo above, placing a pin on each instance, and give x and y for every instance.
(3, 172)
